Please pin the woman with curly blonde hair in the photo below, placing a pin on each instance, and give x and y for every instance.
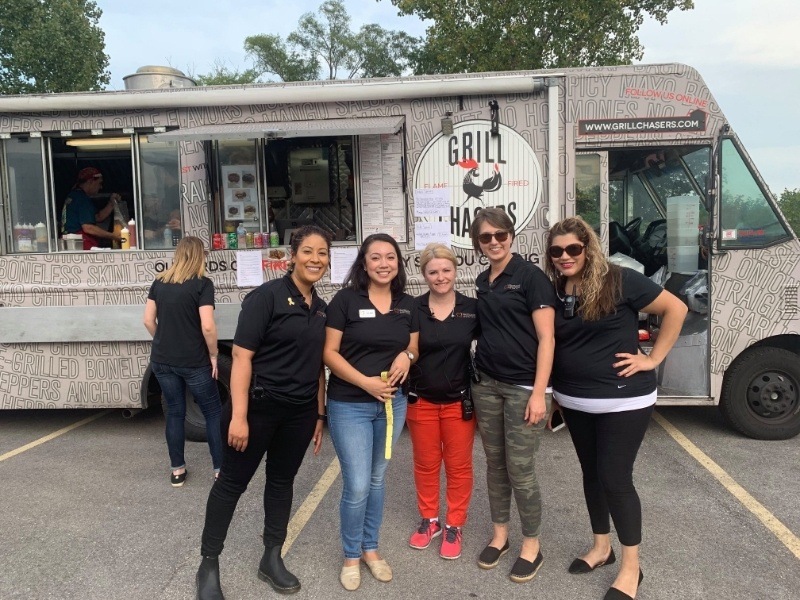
(605, 386)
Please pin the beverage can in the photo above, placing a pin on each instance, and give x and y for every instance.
(250, 238)
(216, 242)
(258, 240)
(233, 243)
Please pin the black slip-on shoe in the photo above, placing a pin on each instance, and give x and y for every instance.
(580, 566)
(615, 594)
(525, 570)
(178, 480)
(490, 556)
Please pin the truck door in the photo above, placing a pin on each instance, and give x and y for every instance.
(651, 208)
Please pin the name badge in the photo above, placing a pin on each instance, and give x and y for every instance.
(367, 313)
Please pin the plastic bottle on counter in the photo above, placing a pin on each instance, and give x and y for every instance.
(125, 242)
(274, 240)
(27, 238)
(241, 236)
(17, 235)
(167, 237)
(132, 235)
(41, 236)
(117, 231)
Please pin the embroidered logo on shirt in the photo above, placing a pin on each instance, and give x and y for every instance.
(462, 315)
(322, 314)
(400, 311)
(512, 286)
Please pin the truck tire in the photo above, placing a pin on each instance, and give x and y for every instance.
(761, 394)
(195, 424)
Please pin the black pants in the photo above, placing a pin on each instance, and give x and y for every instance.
(607, 445)
(281, 430)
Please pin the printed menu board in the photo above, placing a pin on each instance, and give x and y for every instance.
(382, 201)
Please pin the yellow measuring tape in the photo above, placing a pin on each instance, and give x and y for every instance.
(389, 420)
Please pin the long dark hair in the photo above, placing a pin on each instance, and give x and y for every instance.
(357, 277)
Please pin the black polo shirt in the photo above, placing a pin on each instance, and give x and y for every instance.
(287, 338)
(370, 340)
(179, 340)
(507, 344)
(585, 350)
(440, 374)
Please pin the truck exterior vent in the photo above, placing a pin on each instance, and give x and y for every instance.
(790, 302)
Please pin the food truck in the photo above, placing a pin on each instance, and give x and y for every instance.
(643, 152)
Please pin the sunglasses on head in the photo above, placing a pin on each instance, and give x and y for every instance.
(500, 236)
(572, 250)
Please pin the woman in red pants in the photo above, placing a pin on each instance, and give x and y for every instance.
(440, 420)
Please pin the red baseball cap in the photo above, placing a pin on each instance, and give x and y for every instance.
(88, 173)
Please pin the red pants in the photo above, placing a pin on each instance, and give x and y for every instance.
(439, 433)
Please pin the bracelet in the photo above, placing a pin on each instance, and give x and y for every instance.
(323, 418)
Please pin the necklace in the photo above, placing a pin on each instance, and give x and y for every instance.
(444, 309)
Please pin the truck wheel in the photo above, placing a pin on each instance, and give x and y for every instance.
(761, 394)
(195, 425)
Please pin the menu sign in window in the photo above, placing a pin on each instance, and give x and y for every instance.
(382, 201)
(240, 197)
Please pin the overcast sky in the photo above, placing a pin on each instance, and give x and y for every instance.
(748, 52)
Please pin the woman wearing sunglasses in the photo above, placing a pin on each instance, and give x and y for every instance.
(607, 404)
(514, 358)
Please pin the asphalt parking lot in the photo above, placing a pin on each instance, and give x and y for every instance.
(90, 514)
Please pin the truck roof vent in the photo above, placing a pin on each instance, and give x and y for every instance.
(154, 77)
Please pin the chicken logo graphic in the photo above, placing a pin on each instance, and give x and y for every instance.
(473, 189)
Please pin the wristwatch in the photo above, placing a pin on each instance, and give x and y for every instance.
(410, 355)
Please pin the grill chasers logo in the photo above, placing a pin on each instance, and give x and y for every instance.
(481, 170)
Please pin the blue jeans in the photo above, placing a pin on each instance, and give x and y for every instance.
(173, 382)
(358, 433)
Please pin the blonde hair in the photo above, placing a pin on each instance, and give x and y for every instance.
(435, 250)
(189, 261)
(601, 282)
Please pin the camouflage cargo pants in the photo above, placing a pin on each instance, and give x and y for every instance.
(510, 448)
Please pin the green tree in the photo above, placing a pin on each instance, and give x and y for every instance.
(326, 40)
(53, 46)
(790, 207)
(492, 35)
(221, 74)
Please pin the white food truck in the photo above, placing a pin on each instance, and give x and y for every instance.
(642, 152)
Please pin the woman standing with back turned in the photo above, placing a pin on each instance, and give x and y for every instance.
(179, 314)
(605, 386)
(514, 357)
(372, 329)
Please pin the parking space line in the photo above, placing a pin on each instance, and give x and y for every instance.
(310, 504)
(53, 435)
(783, 533)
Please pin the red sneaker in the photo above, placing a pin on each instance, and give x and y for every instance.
(451, 544)
(426, 531)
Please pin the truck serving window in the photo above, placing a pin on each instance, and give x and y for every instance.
(747, 217)
(30, 229)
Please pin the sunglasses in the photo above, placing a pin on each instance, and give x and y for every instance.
(572, 250)
(500, 236)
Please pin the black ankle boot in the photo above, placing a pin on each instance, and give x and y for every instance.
(273, 571)
(208, 587)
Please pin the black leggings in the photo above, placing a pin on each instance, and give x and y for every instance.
(281, 430)
(607, 445)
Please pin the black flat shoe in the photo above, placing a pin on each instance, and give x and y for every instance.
(580, 566)
(490, 556)
(525, 570)
(615, 594)
(274, 572)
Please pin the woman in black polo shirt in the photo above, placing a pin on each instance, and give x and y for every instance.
(372, 329)
(514, 358)
(605, 386)
(277, 407)
(440, 428)
(179, 314)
